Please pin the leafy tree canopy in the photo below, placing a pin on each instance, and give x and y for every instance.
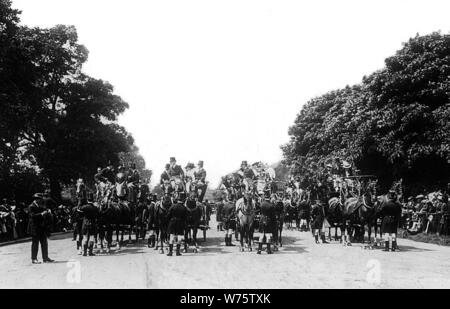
(394, 124)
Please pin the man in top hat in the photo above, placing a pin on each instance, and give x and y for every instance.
(176, 216)
(165, 176)
(38, 229)
(176, 174)
(200, 178)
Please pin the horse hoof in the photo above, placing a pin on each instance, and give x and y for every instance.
(195, 251)
(184, 250)
(161, 251)
(250, 249)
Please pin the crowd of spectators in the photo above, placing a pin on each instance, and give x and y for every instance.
(14, 219)
(427, 214)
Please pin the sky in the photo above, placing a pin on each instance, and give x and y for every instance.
(222, 81)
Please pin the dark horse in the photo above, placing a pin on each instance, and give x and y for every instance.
(115, 214)
(193, 220)
(141, 211)
(335, 216)
(358, 212)
(161, 223)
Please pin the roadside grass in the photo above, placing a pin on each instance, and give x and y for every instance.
(442, 240)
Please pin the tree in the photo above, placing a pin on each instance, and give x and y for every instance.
(394, 124)
(54, 119)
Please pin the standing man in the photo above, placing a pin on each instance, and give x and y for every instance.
(229, 219)
(90, 214)
(318, 216)
(267, 225)
(219, 209)
(200, 178)
(39, 229)
(391, 213)
(176, 216)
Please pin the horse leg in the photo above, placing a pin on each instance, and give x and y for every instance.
(280, 241)
(157, 238)
(137, 231)
(186, 239)
(194, 238)
(250, 238)
(161, 250)
(109, 237)
(241, 232)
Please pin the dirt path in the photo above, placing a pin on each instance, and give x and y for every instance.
(300, 263)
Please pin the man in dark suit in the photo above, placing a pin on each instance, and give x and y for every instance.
(38, 228)
(176, 216)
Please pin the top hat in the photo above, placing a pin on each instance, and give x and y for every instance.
(167, 165)
(200, 163)
(244, 163)
(172, 159)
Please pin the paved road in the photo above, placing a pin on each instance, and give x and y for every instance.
(300, 263)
